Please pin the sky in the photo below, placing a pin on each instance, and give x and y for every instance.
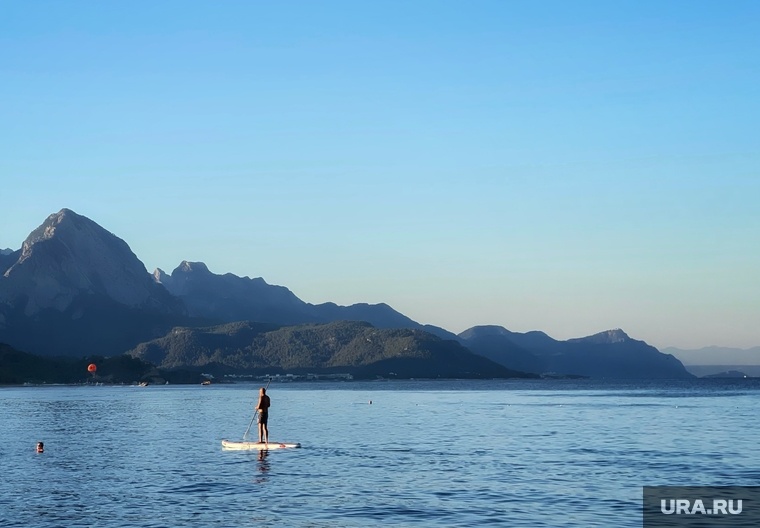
(569, 167)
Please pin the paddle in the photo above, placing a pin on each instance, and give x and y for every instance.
(245, 435)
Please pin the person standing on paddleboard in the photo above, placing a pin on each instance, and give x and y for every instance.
(263, 408)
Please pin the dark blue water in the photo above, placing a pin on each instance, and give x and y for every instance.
(509, 453)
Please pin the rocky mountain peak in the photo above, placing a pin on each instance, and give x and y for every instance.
(607, 337)
(616, 335)
(62, 223)
(69, 255)
(191, 267)
(161, 277)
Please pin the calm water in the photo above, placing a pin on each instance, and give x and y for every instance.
(422, 454)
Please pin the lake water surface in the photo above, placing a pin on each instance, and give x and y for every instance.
(467, 453)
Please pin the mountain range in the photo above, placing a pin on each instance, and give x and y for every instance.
(609, 354)
(718, 361)
(231, 298)
(714, 355)
(75, 289)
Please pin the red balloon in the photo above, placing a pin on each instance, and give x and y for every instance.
(92, 367)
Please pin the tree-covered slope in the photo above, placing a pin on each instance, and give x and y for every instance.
(17, 367)
(350, 347)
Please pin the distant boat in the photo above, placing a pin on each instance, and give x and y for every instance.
(143, 384)
(206, 382)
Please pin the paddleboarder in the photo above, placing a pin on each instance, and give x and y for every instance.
(263, 408)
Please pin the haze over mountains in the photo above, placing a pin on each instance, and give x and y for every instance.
(76, 289)
(717, 361)
(714, 355)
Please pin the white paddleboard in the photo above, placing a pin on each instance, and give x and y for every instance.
(247, 446)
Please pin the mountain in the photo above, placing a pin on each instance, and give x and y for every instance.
(70, 255)
(706, 371)
(74, 288)
(500, 345)
(229, 298)
(8, 257)
(714, 355)
(610, 354)
(609, 337)
(735, 374)
(613, 354)
(355, 348)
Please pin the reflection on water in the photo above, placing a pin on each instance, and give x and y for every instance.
(262, 467)
(423, 454)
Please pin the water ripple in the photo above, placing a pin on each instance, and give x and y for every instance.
(458, 454)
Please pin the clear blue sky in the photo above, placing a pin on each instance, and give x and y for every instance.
(568, 166)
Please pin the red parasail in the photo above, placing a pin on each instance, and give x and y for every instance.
(92, 367)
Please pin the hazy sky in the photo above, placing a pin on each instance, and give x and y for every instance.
(567, 166)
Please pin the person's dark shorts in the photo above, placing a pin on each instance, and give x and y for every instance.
(263, 417)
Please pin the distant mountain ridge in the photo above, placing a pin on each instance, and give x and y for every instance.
(228, 298)
(8, 257)
(75, 289)
(609, 354)
(603, 338)
(714, 355)
(231, 298)
(703, 371)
